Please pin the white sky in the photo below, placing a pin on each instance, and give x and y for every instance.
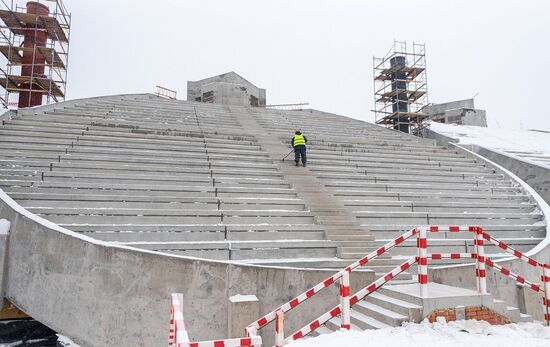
(318, 51)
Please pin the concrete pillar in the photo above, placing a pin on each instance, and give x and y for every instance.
(4, 235)
(243, 310)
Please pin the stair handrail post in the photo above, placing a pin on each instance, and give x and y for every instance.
(171, 331)
(546, 298)
(481, 271)
(345, 322)
(279, 329)
(422, 245)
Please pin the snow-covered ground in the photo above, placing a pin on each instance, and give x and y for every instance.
(470, 333)
(528, 144)
(64, 341)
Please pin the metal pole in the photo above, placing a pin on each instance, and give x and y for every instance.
(171, 331)
(480, 262)
(546, 299)
(279, 329)
(422, 244)
(344, 302)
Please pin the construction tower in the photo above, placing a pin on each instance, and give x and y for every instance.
(401, 87)
(34, 39)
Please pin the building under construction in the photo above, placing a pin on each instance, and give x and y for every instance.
(34, 40)
(401, 87)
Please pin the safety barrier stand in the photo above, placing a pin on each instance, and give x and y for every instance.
(178, 336)
(178, 333)
(546, 299)
(480, 261)
(422, 244)
(279, 329)
(270, 317)
(344, 302)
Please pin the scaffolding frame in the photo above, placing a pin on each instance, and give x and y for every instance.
(14, 23)
(389, 90)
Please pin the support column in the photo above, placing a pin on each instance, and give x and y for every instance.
(344, 302)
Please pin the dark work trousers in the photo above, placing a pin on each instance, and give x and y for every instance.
(300, 151)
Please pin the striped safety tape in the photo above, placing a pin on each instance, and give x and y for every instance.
(178, 331)
(439, 256)
(263, 321)
(510, 250)
(308, 329)
(517, 278)
(244, 342)
(481, 272)
(450, 228)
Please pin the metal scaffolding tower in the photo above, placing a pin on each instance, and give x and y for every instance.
(401, 87)
(34, 42)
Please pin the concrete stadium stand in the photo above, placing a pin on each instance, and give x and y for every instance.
(102, 294)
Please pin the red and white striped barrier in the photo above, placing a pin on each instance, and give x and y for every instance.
(422, 244)
(512, 251)
(253, 341)
(422, 259)
(344, 302)
(178, 333)
(178, 336)
(308, 329)
(279, 329)
(440, 256)
(546, 300)
(263, 321)
(381, 281)
(517, 278)
(449, 229)
(480, 262)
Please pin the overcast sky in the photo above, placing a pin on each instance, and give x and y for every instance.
(318, 51)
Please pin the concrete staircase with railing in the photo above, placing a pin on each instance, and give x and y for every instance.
(393, 305)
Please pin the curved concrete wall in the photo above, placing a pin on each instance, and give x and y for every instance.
(106, 295)
(538, 177)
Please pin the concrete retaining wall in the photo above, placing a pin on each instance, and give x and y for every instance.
(104, 295)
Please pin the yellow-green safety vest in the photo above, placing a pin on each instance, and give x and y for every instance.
(299, 140)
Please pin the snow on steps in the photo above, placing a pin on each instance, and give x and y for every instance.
(380, 310)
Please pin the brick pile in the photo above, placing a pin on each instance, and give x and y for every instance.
(471, 312)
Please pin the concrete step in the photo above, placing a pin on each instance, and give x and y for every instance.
(439, 206)
(365, 322)
(379, 313)
(404, 308)
(334, 324)
(441, 218)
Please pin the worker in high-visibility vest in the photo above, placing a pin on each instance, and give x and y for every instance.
(299, 144)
